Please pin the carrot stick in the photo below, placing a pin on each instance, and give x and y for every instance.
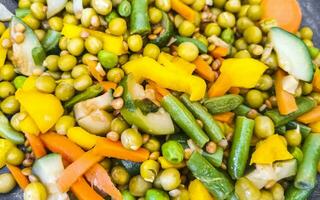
(108, 148)
(316, 80)
(18, 176)
(220, 87)
(83, 191)
(220, 52)
(162, 91)
(204, 69)
(93, 71)
(286, 101)
(311, 116)
(184, 10)
(96, 175)
(224, 117)
(36, 145)
(107, 85)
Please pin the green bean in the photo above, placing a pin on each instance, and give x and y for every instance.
(240, 147)
(304, 130)
(6, 131)
(124, 8)
(215, 158)
(297, 153)
(293, 193)
(51, 40)
(223, 104)
(307, 171)
(38, 55)
(139, 19)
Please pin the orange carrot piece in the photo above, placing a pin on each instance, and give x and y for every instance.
(96, 175)
(287, 13)
(226, 117)
(234, 90)
(157, 94)
(83, 191)
(93, 71)
(21, 179)
(316, 80)
(107, 85)
(162, 91)
(108, 148)
(311, 116)
(184, 10)
(36, 145)
(286, 101)
(204, 69)
(220, 52)
(76, 169)
(220, 87)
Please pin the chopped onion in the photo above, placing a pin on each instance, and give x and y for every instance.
(55, 6)
(77, 8)
(290, 84)
(5, 14)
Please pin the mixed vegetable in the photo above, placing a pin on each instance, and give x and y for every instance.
(158, 100)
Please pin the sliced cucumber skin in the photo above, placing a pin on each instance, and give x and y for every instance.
(289, 47)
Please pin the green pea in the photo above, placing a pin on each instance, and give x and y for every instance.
(93, 45)
(188, 2)
(35, 190)
(277, 192)
(173, 151)
(55, 23)
(198, 5)
(263, 127)
(155, 15)
(256, 50)
(314, 51)
(212, 29)
(6, 89)
(63, 43)
(86, 16)
(272, 61)
(7, 183)
(75, 46)
(254, 12)
(242, 54)
(126, 195)
(118, 125)
(7, 72)
(117, 26)
(188, 51)
(184, 195)
(241, 44)
(164, 5)
(219, 3)
(253, 35)
(309, 43)
(138, 186)
(149, 170)
(64, 123)
(131, 139)
(24, 4)
(82, 82)
(246, 190)
(178, 19)
(70, 19)
(106, 163)
(186, 28)
(79, 70)
(40, 34)
(254, 98)
(170, 179)
(38, 10)
(293, 137)
(306, 33)
(107, 59)
(228, 36)
(243, 23)
(120, 175)
(151, 50)
(267, 24)
(266, 195)
(102, 7)
(307, 88)
(265, 82)
(10, 105)
(69, 7)
(19, 81)
(15, 156)
(123, 59)
(316, 97)
(233, 6)
(115, 75)
(226, 20)
(34, 23)
(64, 91)
(45, 84)
(155, 194)
(152, 145)
(135, 43)
(243, 11)
(67, 62)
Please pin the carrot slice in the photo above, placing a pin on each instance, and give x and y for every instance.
(107, 85)
(287, 13)
(286, 101)
(316, 80)
(83, 191)
(184, 10)
(204, 69)
(220, 87)
(226, 117)
(108, 148)
(220, 52)
(311, 116)
(21, 179)
(36, 145)
(93, 71)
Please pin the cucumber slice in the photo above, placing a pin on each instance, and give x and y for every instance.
(293, 54)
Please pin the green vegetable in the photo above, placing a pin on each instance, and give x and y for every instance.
(297, 153)
(111, 16)
(293, 193)
(127, 196)
(22, 12)
(124, 8)
(216, 182)
(185, 120)
(146, 106)
(201, 46)
(89, 93)
(304, 130)
(133, 168)
(240, 147)
(246, 190)
(215, 158)
(223, 104)
(211, 127)
(165, 36)
(139, 19)
(307, 171)
(181, 138)
(242, 110)
(155, 194)
(38, 55)
(50, 42)
(304, 105)
(18, 81)
(7, 132)
(172, 151)
(107, 59)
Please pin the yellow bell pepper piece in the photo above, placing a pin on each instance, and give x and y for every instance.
(271, 149)
(27, 125)
(197, 191)
(176, 64)
(166, 164)
(30, 84)
(111, 43)
(147, 68)
(3, 51)
(315, 127)
(44, 109)
(82, 138)
(5, 146)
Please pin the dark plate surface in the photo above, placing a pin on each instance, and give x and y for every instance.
(311, 17)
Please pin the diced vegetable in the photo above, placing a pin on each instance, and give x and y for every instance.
(163, 39)
(55, 6)
(223, 104)
(139, 19)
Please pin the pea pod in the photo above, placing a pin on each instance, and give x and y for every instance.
(223, 104)
(305, 104)
(307, 171)
(215, 181)
(185, 120)
(124, 8)
(139, 19)
(211, 127)
(201, 46)
(7, 132)
(293, 193)
(164, 37)
(51, 40)
(240, 147)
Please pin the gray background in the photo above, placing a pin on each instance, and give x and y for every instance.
(311, 17)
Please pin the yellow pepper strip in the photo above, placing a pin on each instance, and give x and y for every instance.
(315, 127)
(3, 51)
(176, 64)
(147, 68)
(111, 43)
(30, 84)
(197, 191)
(166, 164)
(82, 138)
(27, 125)
(237, 72)
(44, 109)
(269, 150)
(5, 146)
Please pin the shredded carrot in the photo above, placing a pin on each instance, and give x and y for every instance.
(107, 85)
(37, 147)
(184, 10)
(83, 191)
(219, 52)
(226, 117)
(220, 87)
(311, 116)
(286, 101)
(234, 90)
(162, 91)
(93, 71)
(108, 148)
(21, 179)
(204, 69)
(316, 80)
(96, 175)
